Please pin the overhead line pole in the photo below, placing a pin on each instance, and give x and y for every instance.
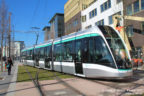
(9, 34)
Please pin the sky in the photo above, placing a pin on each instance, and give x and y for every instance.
(32, 13)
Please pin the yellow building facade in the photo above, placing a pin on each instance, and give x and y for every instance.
(73, 7)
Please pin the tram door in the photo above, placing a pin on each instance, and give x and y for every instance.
(78, 57)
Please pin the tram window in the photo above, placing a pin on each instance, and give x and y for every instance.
(30, 55)
(91, 56)
(108, 31)
(98, 52)
(85, 50)
(37, 52)
(41, 53)
(68, 51)
(47, 51)
(58, 52)
(78, 50)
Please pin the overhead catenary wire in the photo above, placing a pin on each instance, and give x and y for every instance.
(35, 12)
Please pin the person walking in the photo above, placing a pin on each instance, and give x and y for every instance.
(9, 64)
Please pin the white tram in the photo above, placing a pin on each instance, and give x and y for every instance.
(98, 52)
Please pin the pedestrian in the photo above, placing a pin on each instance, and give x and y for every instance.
(9, 64)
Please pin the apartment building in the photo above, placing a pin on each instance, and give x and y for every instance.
(72, 14)
(47, 33)
(57, 25)
(135, 29)
(101, 12)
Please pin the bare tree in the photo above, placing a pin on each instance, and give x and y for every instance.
(3, 28)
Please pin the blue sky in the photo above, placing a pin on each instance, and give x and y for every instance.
(32, 13)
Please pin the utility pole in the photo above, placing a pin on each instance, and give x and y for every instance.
(13, 43)
(9, 34)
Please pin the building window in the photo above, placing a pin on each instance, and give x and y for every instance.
(106, 5)
(101, 22)
(95, 10)
(90, 15)
(129, 31)
(109, 3)
(84, 18)
(93, 13)
(75, 22)
(110, 20)
(129, 10)
(110, 17)
(142, 27)
(142, 4)
(102, 8)
(118, 1)
(136, 6)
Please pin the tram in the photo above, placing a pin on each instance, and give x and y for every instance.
(98, 52)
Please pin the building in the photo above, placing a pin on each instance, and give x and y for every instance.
(100, 13)
(47, 33)
(18, 46)
(135, 29)
(72, 14)
(57, 25)
(15, 49)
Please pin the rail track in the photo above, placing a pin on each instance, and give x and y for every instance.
(125, 85)
(39, 86)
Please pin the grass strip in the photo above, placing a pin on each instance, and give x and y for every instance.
(43, 74)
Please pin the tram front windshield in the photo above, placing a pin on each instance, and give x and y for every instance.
(117, 47)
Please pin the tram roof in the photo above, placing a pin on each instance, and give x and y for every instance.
(92, 30)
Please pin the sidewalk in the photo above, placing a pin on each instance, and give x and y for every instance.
(7, 80)
(12, 88)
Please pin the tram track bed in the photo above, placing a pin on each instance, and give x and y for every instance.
(43, 75)
(76, 86)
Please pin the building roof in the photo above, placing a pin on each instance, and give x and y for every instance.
(57, 14)
(46, 27)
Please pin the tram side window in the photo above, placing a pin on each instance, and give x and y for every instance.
(92, 58)
(24, 55)
(41, 53)
(78, 51)
(58, 52)
(68, 51)
(47, 52)
(37, 52)
(30, 55)
(99, 53)
(85, 50)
